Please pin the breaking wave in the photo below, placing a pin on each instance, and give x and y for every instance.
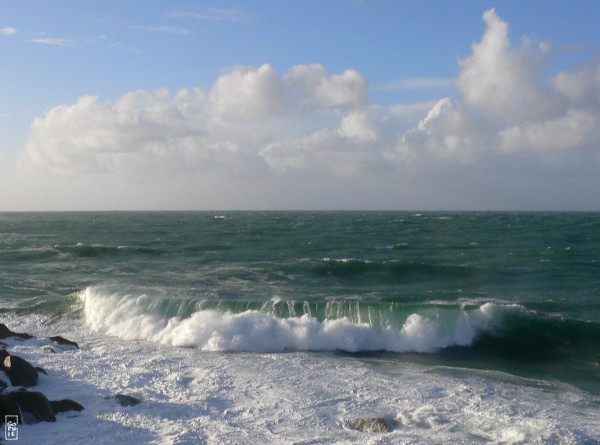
(230, 327)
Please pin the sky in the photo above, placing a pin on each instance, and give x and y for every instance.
(299, 105)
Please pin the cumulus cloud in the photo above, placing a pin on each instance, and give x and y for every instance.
(308, 128)
(582, 86)
(312, 86)
(326, 154)
(197, 126)
(247, 94)
(248, 120)
(92, 137)
(576, 129)
(504, 107)
(357, 126)
(498, 80)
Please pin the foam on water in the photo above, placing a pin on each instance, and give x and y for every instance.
(191, 396)
(128, 317)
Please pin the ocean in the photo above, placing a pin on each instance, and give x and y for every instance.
(281, 327)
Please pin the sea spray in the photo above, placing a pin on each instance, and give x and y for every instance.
(135, 317)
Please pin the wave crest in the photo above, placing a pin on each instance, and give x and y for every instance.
(131, 317)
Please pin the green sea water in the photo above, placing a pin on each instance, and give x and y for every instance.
(516, 292)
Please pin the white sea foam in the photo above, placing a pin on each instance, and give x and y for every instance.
(128, 317)
(190, 396)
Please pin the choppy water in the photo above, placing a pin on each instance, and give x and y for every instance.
(484, 301)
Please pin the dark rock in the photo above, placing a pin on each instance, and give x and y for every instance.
(30, 407)
(63, 341)
(49, 349)
(3, 354)
(125, 400)
(20, 371)
(33, 407)
(5, 333)
(371, 424)
(9, 406)
(3, 384)
(65, 405)
(42, 370)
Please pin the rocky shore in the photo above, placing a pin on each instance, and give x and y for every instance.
(19, 400)
(16, 399)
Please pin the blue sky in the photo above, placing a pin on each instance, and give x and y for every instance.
(299, 105)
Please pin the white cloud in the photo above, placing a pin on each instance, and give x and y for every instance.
(139, 129)
(577, 129)
(54, 41)
(256, 137)
(311, 85)
(8, 31)
(504, 108)
(283, 156)
(357, 126)
(324, 154)
(246, 123)
(212, 14)
(501, 81)
(247, 94)
(581, 86)
(162, 29)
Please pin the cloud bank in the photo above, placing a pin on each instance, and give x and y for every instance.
(310, 132)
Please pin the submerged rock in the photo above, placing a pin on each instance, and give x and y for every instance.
(371, 424)
(63, 341)
(125, 400)
(5, 333)
(65, 405)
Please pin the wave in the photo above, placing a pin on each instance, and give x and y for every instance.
(183, 323)
(28, 254)
(396, 270)
(479, 329)
(98, 250)
(530, 337)
(463, 330)
(79, 250)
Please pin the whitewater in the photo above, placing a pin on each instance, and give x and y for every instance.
(195, 396)
(278, 327)
(264, 331)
